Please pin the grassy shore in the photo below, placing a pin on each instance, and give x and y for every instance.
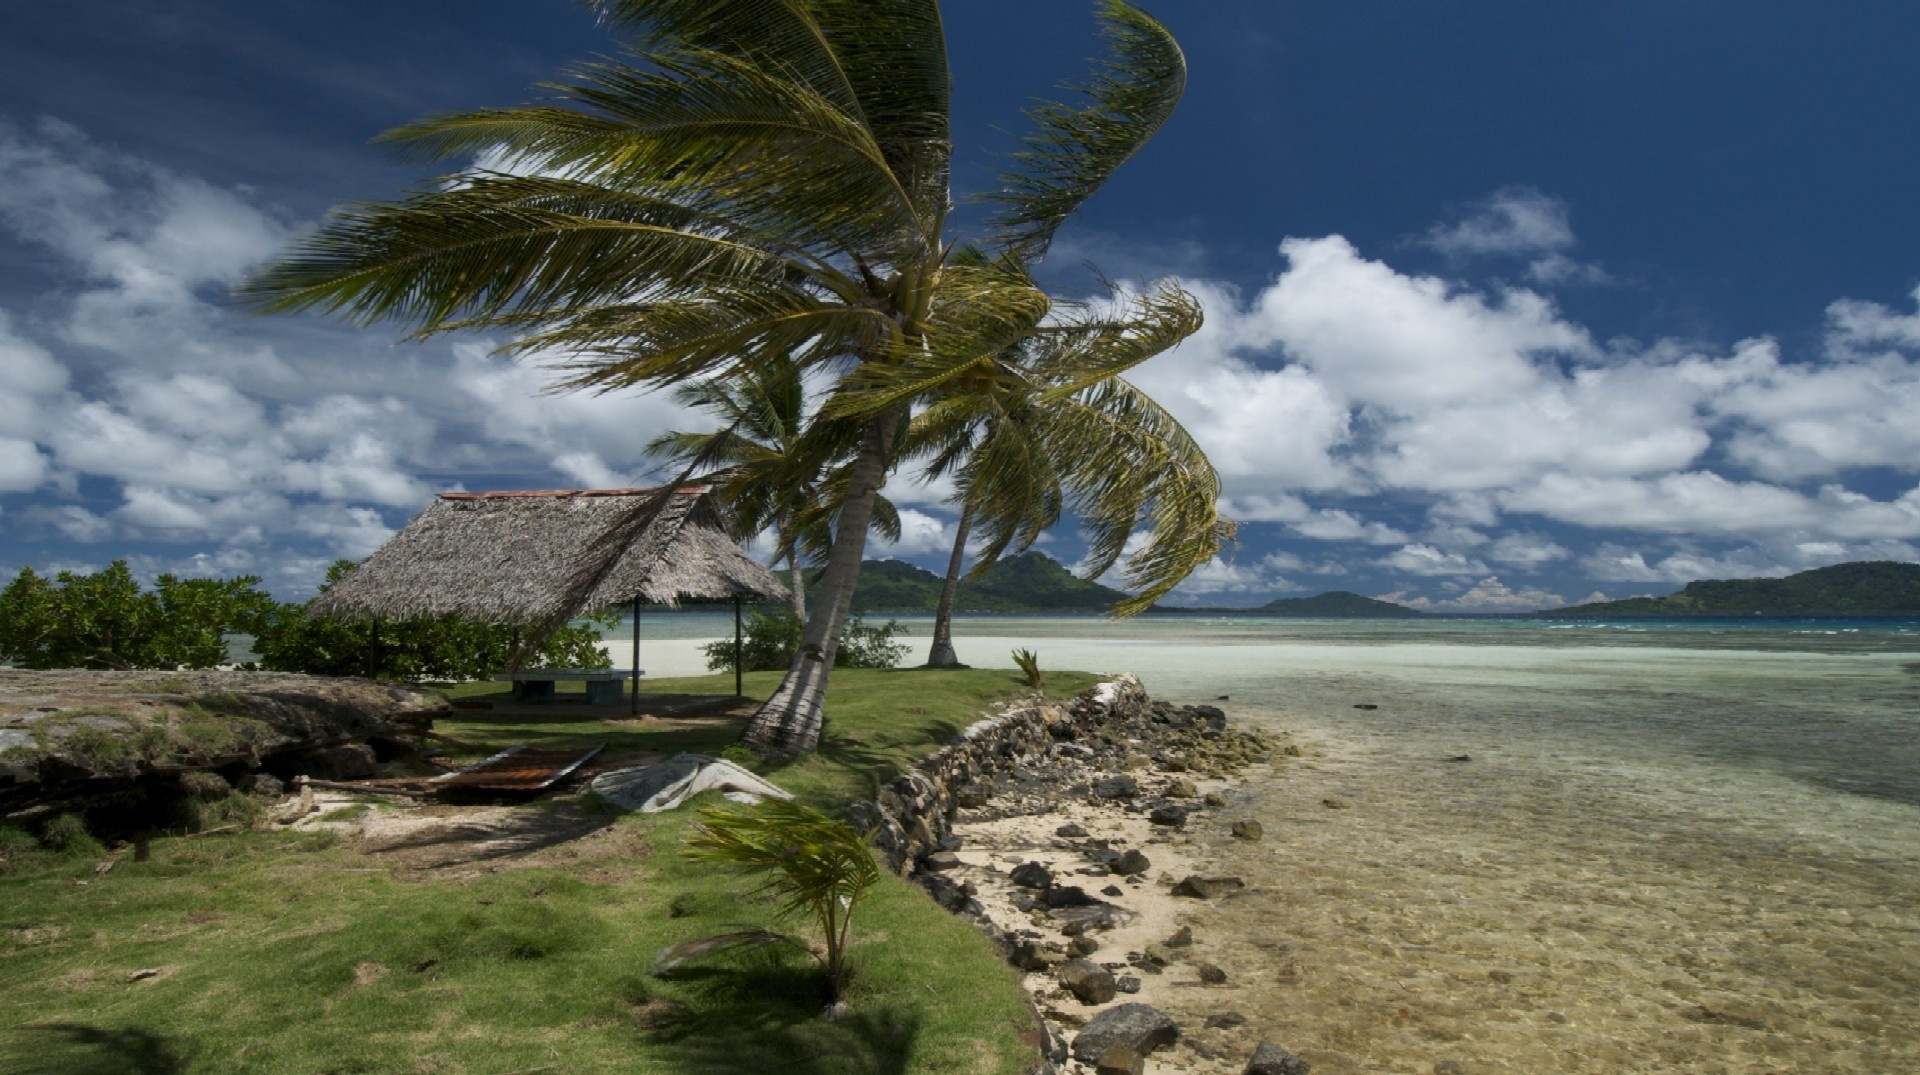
(301, 952)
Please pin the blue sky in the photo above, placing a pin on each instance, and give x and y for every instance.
(1508, 303)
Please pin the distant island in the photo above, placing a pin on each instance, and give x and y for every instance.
(1030, 582)
(1866, 588)
(1035, 582)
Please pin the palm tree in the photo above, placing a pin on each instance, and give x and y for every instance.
(749, 179)
(1052, 425)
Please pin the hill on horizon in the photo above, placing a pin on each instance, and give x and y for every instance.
(1337, 604)
(1030, 582)
(1861, 588)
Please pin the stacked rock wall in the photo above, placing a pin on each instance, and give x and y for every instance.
(912, 815)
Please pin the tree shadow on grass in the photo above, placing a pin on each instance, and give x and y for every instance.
(75, 1049)
(769, 1016)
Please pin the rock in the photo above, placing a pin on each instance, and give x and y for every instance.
(1031, 955)
(1334, 802)
(1226, 1020)
(1271, 1059)
(950, 842)
(1127, 983)
(1068, 896)
(1158, 955)
(1461, 757)
(1207, 888)
(1120, 1060)
(1130, 863)
(1133, 763)
(970, 796)
(1211, 974)
(1070, 831)
(1214, 799)
(1247, 830)
(1139, 1028)
(1113, 890)
(1087, 980)
(1182, 938)
(1169, 815)
(1031, 875)
(1074, 921)
(1181, 789)
(1084, 945)
(941, 860)
(1365, 705)
(1116, 787)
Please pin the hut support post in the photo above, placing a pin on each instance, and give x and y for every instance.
(739, 653)
(633, 703)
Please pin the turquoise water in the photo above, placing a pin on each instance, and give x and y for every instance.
(1672, 847)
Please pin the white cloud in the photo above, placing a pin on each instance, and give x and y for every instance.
(1514, 220)
(1526, 550)
(1490, 595)
(1427, 560)
(1702, 502)
(1218, 576)
(920, 534)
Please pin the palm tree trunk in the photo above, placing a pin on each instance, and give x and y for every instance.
(791, 719)
(941, 655)
(799, 583)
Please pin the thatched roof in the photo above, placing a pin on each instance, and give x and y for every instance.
(541, 557)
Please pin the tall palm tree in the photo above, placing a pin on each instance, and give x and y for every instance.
(1051, 425)
(749, 179)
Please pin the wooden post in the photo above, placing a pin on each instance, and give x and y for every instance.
(739, 652)
(633, 704)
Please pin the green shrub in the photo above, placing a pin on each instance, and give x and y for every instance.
(67, 834)
(770, 638)
(1029, 663)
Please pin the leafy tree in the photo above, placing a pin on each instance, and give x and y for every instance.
(752, 179)
(772, 636)
(105, 620)
(418, 648)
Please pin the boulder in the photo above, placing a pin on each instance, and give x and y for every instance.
(1130, 863)
(1271, 1059)
(1087, 980)
(1207, 888)
(1247, 830)
(1181, 789)
(1031, 875)
(1139, 1028)
(1116, 787)
(1169, 815)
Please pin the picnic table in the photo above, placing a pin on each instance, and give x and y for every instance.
(537, 684)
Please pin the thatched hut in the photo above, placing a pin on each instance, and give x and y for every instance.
(538, 558)
(545, 556)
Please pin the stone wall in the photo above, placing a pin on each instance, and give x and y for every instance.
(912, 815)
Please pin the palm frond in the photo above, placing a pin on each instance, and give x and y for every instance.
(1074, 149)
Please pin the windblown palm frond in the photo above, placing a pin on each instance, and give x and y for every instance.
(1074, 150)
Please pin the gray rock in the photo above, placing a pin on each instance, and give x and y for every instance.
(1031, 955)
(1120, 1060)
(1116, 787)
(941, 860)
(1247, 830)
(1139, 1028)
(1127, 983)
(1068, 896)
(1070, 831)
(1226, 1020)
(1031, 875)
(1181, 789)
(1130, 863)
(1182, 938)
(1168, 814)
(1271, 1059)
(1084, 945)
(1214, 799)
(1211, 974)
(1207, 888)
(1087, 980)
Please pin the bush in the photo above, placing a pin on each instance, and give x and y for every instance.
(67, 834)
(771, 637)
(424, 647)
(104, 620)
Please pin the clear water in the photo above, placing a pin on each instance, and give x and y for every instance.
(1675, 847)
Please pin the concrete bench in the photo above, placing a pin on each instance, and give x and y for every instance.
(536, 684)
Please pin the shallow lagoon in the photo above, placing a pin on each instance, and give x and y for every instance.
(1675, 847)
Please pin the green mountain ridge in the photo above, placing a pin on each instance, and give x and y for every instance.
(1342, 604)
(1862, 588)
(1030, 582)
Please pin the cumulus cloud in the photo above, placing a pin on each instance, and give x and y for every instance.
(1488, 595)
(1517, 222)
(1427, 560)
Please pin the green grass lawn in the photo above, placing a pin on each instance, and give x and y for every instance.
(296, 952)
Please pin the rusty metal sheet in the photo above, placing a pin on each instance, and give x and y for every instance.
(520, 769)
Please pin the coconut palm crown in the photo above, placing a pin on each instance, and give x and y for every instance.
(745, 179)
